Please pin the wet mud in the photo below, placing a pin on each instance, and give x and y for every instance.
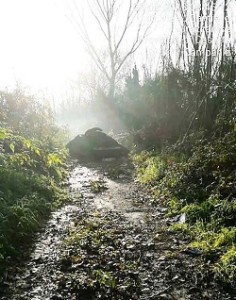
(109, 242)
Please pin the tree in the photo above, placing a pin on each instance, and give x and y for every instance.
(120, 23)
(204, 46)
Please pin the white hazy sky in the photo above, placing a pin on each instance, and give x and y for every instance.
(39, 46)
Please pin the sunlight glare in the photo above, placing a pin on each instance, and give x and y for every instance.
(39, 47)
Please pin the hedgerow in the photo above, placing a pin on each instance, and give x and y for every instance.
(202, 186)
(33, 165)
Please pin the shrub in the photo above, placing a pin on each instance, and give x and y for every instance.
(202, 186)
(33, 163)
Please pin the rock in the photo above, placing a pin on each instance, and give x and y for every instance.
(57, 297)
(145, 290)
(164, 296)
(95, 145)
(192, 252)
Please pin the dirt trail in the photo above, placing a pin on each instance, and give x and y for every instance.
(108, 243)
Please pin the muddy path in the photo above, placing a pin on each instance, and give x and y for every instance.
(110, 243)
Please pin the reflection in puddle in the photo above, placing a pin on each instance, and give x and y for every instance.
(40, 274)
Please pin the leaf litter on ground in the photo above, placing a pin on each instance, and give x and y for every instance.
(114, 245)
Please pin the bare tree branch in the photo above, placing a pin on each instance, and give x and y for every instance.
(106, 13)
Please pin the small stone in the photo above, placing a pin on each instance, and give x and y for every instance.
(164, 296)
(145, 291)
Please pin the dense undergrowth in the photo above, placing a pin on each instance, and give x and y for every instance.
(33, 164)
(201, 185)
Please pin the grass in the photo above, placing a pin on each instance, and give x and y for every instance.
(149, 168)
(97, 186)
(210, 241)
(201, 186)
(226, 267)
(32, 166)
(25, 201)
(29, 188)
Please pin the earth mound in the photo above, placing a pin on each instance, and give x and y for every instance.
(94, 144)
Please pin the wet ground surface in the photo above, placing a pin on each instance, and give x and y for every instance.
(110, 243)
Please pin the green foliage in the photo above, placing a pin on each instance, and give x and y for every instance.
(178, 101)
(156, 100)
(209, 241)
(31, 155)
(200, 185)
(105, 278)
(201, 211)
(174, 206)
(26, 116)
(32, 165)
(149, 167)
(98, 186)
(225, 269)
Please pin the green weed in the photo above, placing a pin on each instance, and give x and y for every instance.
(97, 186)
(105, 278)
(33, 163)
(202, 186)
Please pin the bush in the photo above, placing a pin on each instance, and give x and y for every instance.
(202, 186)
(33, 163)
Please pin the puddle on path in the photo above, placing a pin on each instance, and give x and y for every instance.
(154, 266)
(118, 196)
(37, 281)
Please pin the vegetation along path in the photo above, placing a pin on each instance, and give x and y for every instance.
(109, 242)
